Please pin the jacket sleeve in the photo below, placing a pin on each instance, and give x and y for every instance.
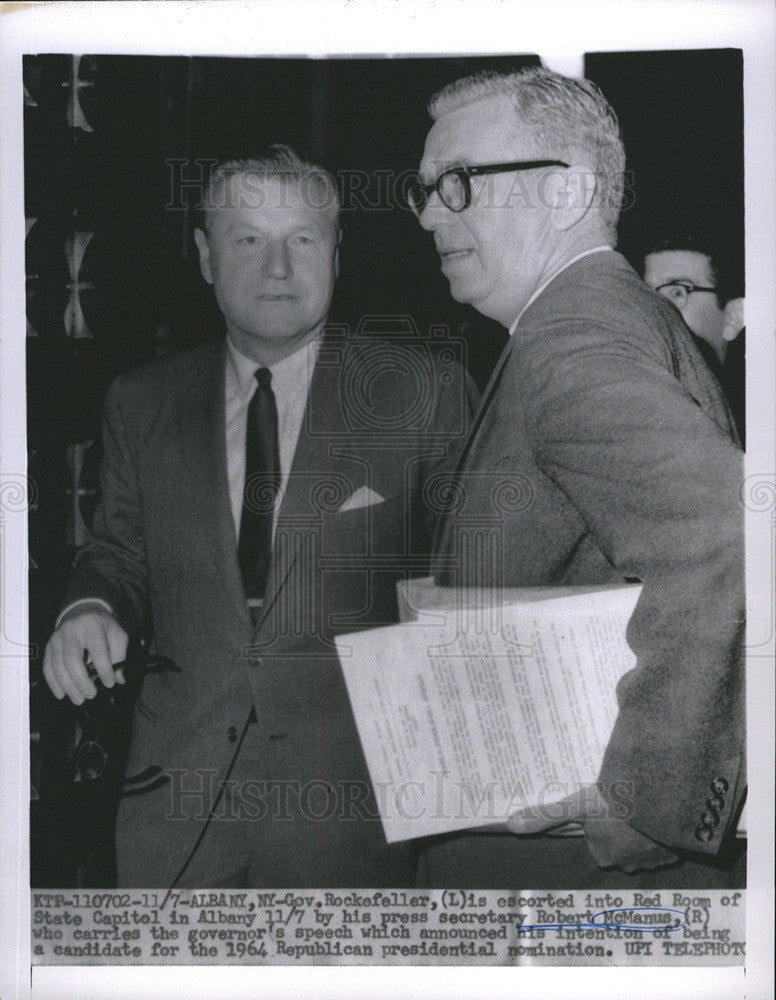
(657, 482)
(111, 567)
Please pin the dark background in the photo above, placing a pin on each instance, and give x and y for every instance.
(99, 132)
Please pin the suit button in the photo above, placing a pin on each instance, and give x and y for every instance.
(703, 833)
(719, 786)
(254, 661)
(231, 734)
(717, 803)
(710, 818)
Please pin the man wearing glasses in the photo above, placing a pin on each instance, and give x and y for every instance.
(602, 405)
(698, 281)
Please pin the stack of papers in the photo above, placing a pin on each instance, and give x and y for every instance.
(483, 702)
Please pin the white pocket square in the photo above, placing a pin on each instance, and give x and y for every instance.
(363, 497)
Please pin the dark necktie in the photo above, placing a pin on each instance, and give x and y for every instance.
(262, 484)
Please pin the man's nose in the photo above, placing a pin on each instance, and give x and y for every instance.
(276, 260)
(435, 213)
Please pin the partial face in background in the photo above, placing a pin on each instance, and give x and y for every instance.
(272, 258)
(493, 253)
(701, 311)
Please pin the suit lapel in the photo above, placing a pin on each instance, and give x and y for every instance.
(444, 525)
(202, 433)
(322, 427)
(487, 400)
(315, 464)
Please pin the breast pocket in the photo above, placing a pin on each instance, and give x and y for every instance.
(369, 528)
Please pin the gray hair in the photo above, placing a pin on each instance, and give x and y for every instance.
(281, 161)
(564, 117)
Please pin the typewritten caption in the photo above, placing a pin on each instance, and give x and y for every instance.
(384, 927)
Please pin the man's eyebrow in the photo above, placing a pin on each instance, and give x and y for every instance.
(241, 225)
(245, 226)
(442, 168)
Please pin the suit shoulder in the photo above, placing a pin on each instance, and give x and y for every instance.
(421, 379)
(600, 304)
(170, 376)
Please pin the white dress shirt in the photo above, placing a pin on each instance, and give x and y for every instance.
(291, 384)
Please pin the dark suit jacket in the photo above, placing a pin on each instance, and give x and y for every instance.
(604, 452)
(731, 375)
(163, 545)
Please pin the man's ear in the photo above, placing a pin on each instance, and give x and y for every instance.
(570, 193)
(734, 319)
(200, 238)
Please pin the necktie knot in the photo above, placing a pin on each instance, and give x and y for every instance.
(264, 378)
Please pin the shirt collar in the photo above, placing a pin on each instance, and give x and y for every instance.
(292, 370)
(540, 289)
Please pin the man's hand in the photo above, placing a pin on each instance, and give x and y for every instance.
(612, 842)
(92, 629)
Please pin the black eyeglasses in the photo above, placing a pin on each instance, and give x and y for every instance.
(454, 186)
(679, 291)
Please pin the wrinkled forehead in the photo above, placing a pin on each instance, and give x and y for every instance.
(676, 265)
(274, 200)
(484, 131)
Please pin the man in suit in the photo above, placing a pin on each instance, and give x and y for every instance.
(698, 280)
(628, 456)
(259, 496)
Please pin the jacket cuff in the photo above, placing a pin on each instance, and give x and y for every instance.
(707, 814)
(84, 604)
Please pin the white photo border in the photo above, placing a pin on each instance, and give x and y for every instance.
(560, 31)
